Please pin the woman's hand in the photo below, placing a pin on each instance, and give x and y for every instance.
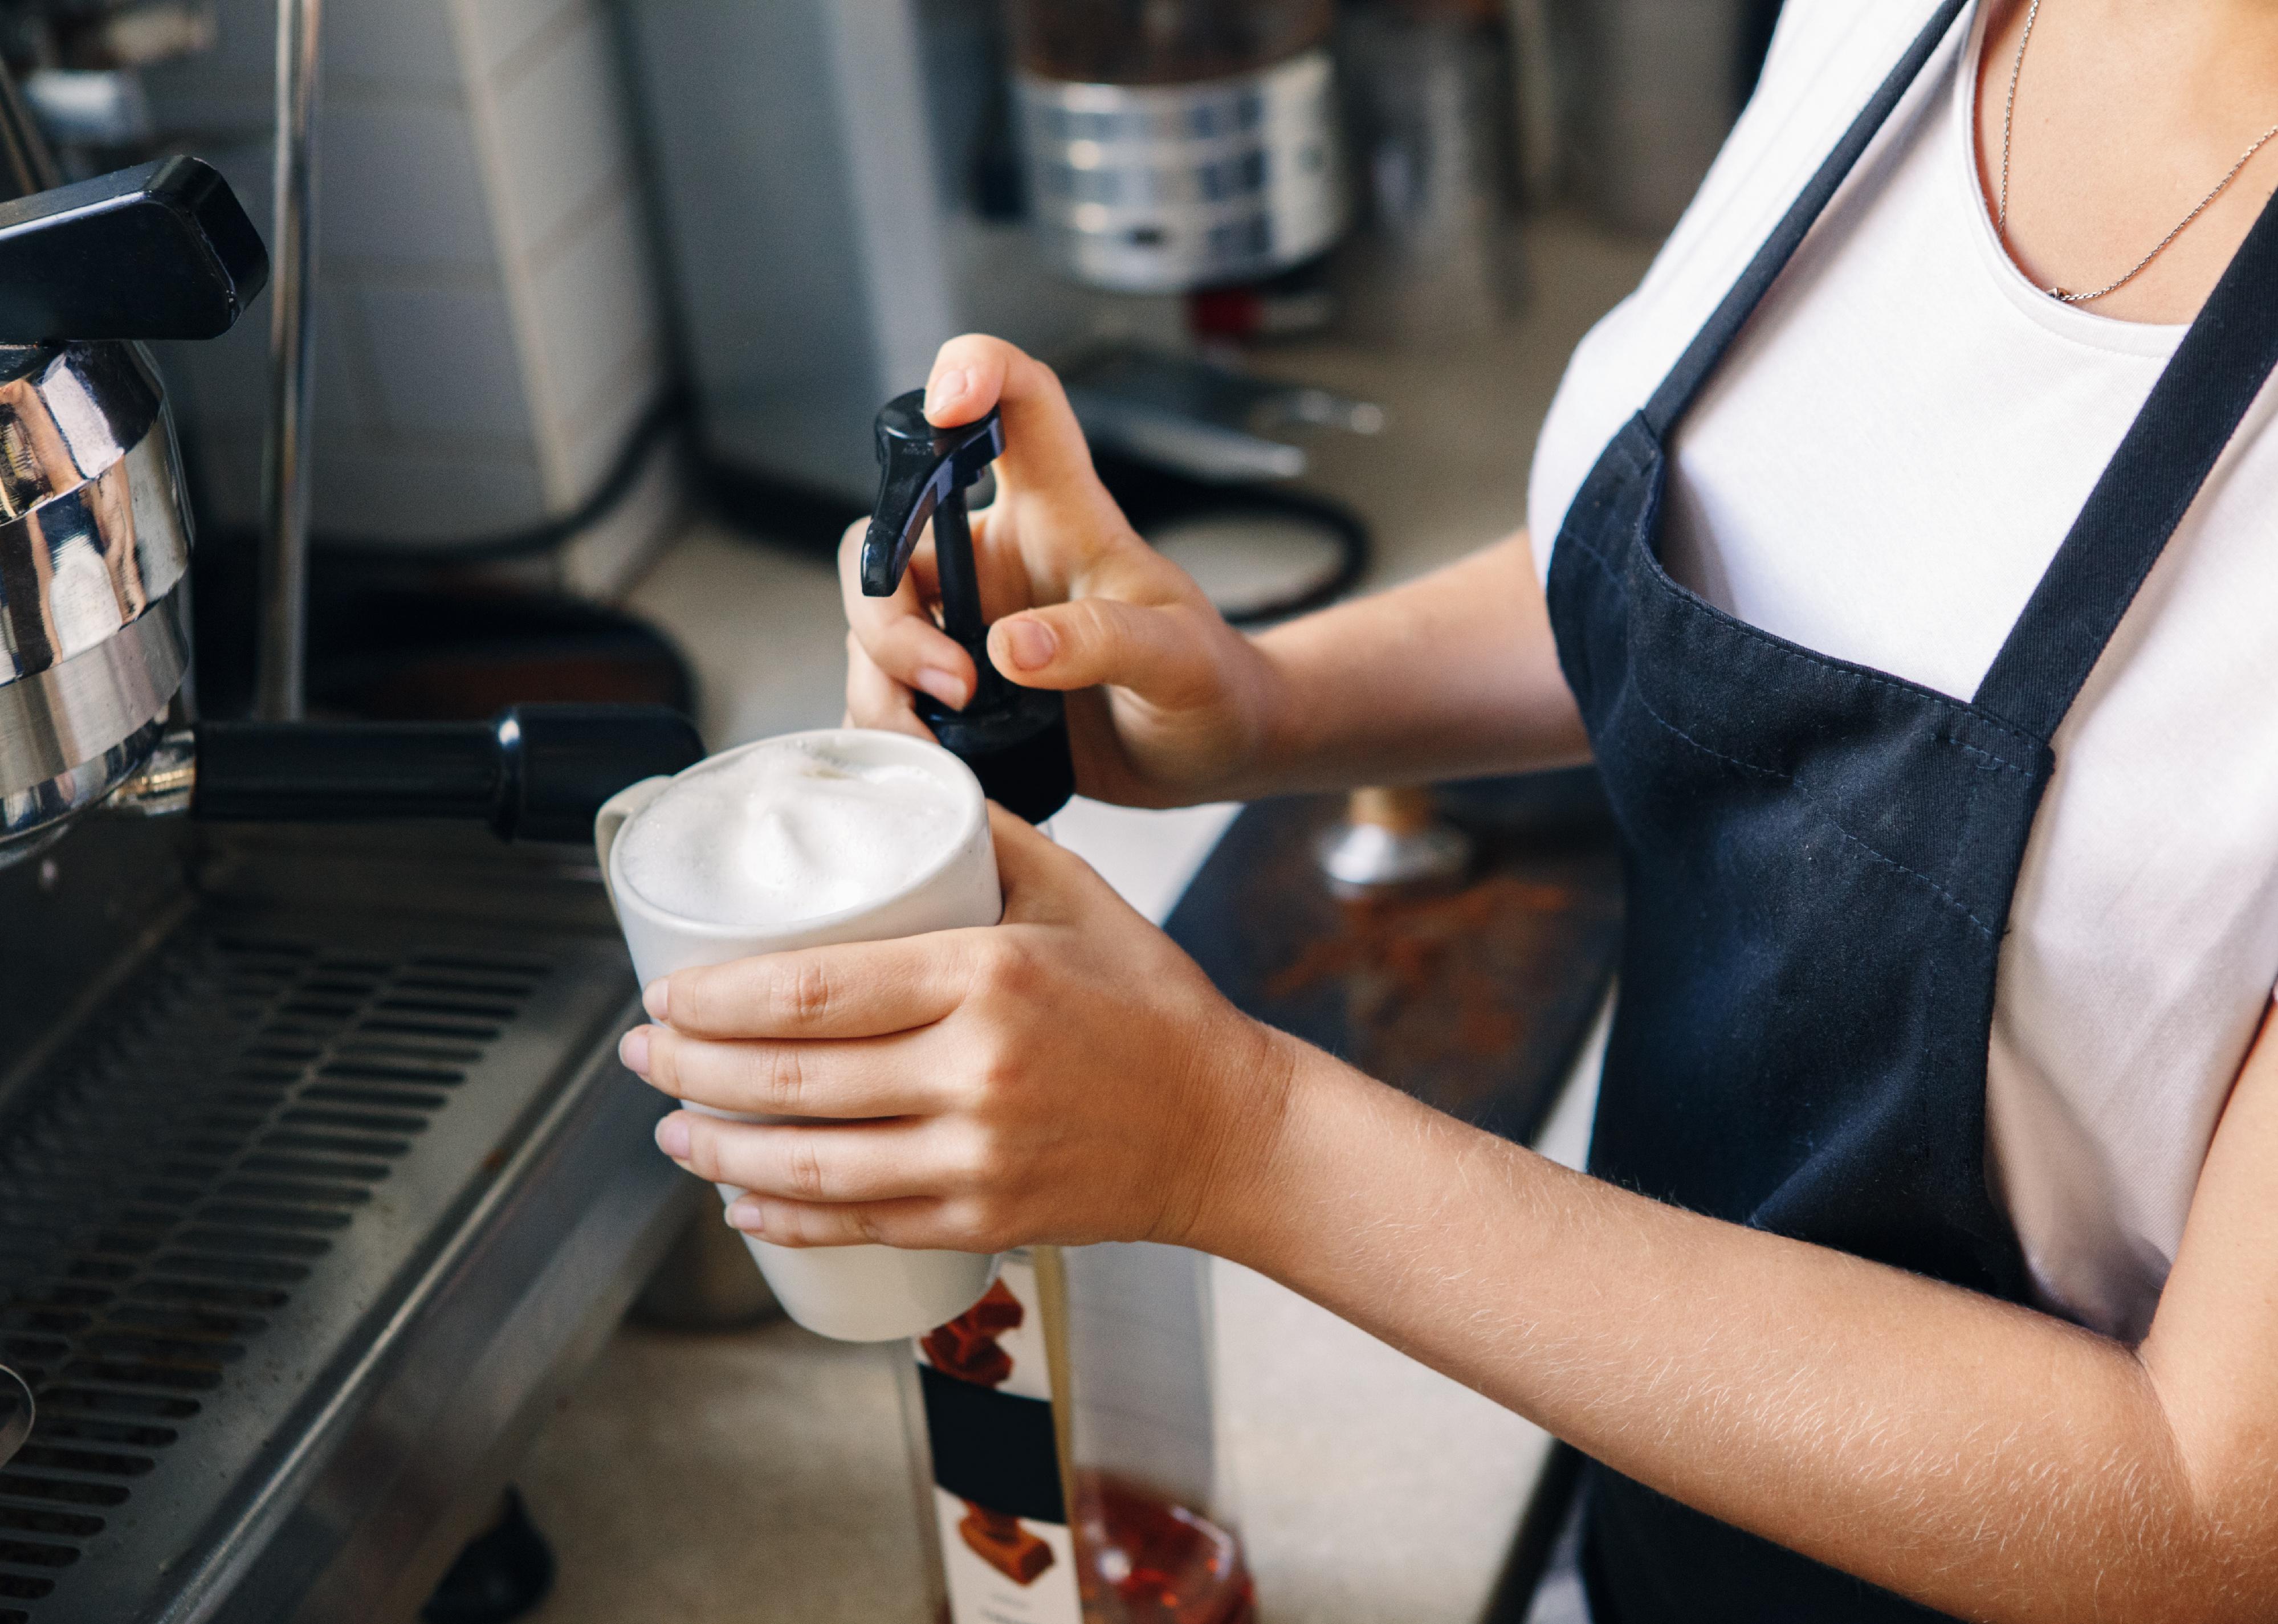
(1067, 1075)
(1175, 706)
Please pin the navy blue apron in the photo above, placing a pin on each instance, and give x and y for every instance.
(1820, 858)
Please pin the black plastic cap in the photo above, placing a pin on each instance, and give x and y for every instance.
(1019, 752)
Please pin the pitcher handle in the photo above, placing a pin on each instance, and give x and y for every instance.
(609, 822)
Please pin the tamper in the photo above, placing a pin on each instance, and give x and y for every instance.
(1391, 840)
(1014, 738)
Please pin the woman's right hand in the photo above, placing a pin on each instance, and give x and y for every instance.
(1168, 704)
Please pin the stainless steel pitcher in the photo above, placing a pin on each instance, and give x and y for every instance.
(94, 536)
(94, 555)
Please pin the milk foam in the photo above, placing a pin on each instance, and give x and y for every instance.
(789, 831)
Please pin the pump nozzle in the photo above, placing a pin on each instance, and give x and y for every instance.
(1014, 738)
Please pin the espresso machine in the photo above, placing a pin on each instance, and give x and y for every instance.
(319, 1176)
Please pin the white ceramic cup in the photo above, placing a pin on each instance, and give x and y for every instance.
(858, 1294)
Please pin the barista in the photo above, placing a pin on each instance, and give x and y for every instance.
(1903, 553)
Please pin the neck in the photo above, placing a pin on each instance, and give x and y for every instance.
(2127, 111)
(2225, 25)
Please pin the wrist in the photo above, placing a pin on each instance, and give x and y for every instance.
(1277, 732)
(1242, 1166)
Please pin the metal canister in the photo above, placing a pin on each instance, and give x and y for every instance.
(95, 547)
(1649, 90)
(1175, 144)
(1438, 257)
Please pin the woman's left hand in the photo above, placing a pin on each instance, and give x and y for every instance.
(1066, 1076)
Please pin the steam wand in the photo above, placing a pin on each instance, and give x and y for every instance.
(1015, 739)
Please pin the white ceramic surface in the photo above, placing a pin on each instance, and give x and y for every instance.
(865, 1293)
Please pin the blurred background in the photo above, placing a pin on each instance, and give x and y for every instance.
(606, 295)
(601, 282)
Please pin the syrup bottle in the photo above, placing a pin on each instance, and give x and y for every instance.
(1067, 1418)
(1067, 1447)
(1153, 1542)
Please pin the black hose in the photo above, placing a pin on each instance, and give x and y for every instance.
(1152, 497)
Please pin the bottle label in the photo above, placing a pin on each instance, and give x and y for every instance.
(1005, 1545)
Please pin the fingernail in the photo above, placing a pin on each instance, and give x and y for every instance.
(656, 997)
(672, 1137)
(946, 390)
(945, 686)
(1032, 643)
(632, 1049)
(743, 1216)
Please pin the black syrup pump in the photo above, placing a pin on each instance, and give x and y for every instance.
(1015, 739)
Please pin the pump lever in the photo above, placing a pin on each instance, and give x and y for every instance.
(1014, 738)
(921, 467)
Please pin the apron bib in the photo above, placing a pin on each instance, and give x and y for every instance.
(1820, 859)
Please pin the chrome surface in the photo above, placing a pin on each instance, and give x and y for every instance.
(1159, 188)
(59, 720)
(90, 560)
(283, 653)
(95, 549)
(68, 412)
(318, 1182)
(28, 815)
(161, 787)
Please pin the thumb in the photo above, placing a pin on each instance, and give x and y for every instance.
(1161, 652)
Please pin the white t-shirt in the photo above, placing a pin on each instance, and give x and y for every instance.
(1881, 470)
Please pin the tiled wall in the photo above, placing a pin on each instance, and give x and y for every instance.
(488, 323)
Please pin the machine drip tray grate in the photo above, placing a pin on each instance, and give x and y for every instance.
(206, 1189)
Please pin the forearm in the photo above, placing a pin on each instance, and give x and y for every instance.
(1451, 675)
(1981, 1458)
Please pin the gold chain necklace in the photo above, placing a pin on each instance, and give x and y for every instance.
(2008, 128)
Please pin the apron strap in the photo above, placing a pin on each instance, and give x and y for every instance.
(2150, 483)
(1709, 345)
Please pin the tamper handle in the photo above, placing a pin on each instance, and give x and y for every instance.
(1014, 738)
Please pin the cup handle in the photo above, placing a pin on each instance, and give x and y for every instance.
(616, 812)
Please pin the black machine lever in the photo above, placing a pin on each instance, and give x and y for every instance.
(162, 251)
(533, 772)
(1015, 739)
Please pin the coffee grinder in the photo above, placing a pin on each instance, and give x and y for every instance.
(1175, 146)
